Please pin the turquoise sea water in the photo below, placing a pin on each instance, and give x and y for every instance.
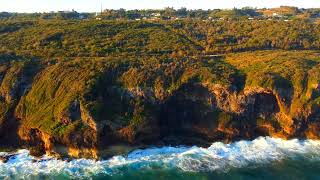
(262, 158)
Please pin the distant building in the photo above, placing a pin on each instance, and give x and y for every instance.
(155, 14)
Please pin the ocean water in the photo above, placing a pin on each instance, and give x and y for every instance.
(262, 158)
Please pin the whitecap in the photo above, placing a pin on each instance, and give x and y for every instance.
(218, 157)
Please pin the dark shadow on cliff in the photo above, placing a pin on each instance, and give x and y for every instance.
(190, 116)
(9, 137)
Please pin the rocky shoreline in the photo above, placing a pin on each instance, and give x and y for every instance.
(71, 109)
(189, 117)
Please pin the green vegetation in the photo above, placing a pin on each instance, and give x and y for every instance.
(283, 12)
(291, 74)
(67, 76)
(48, 39)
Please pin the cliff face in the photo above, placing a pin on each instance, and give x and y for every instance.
(16, 79)
(85, 108)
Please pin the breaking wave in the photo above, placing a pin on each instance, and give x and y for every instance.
(219, 157)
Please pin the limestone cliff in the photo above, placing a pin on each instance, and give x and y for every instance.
(83, 108)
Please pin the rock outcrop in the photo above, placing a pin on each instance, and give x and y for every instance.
(69, 109)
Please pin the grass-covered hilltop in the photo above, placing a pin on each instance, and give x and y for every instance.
(85, 88)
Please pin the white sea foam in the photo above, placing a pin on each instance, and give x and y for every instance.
(218, 157)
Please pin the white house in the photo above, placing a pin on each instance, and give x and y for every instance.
(156, 14)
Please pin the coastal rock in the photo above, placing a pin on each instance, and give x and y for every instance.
(71, 109)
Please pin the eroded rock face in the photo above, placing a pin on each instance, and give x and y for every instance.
(217, 113)
(193, 114)
(69, 119)
(75, 145)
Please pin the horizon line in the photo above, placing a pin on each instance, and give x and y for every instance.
(158, 9)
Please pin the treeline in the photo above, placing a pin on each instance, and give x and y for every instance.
(60, 15)
(174, 14)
